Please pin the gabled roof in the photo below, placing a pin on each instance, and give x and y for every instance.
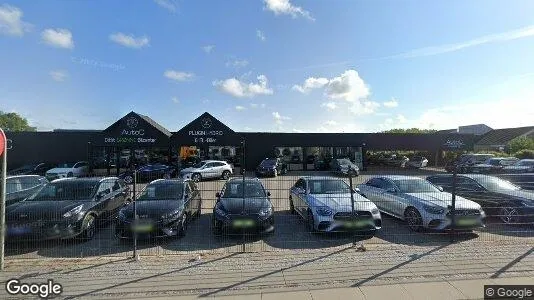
(504, 136)
(155, 124)
(147, 119)
(214, 123)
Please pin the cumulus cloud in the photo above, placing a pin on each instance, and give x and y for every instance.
(310, 84)
(237, 63)
(167, 4)
(11, 21)
(284, 7)
(392, 103)
(330, 105)
(297, 130)
(256, 105)
(129, 40)
(60, 38)
(59, 75)
(178, 75)
(330, 123)
(363, 107)
(208, 48)
(279, 119)
(240, 89)
(175, 100)
(240, 108)
(260, 35)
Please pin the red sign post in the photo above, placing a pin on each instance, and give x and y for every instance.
(3, 141)
(3, 168)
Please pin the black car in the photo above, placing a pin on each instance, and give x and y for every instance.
(66, 208)
(32, 169)
(498, 197)
(21, 187)
(492, 165)
(344, 167)
(271, 167)
(524, 181)
(149, 172)
(243, 208)
(465, 161)
(164, 209)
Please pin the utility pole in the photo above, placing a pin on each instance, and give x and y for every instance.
(3, 153)
(136, 219)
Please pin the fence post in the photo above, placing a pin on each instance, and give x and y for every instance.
(3, 153)
(352, 203)
(136, 219)
(243, 248)
(453, 208)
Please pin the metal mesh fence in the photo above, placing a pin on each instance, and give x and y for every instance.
(80, 217)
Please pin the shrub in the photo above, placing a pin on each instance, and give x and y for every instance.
(525, 153)
(521, 143)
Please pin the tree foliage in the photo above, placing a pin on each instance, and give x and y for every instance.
(14, 122)
(409, 130)
(521, 143)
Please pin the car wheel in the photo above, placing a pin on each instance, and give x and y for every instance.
(414, 219)
(292, 207)
(128, 179)
(196, 177)
(226, 175)
(89, 227)
(70, 174)
(183, 226)
(508, 215)
(311, 222)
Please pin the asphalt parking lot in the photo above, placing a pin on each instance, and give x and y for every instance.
(290, 234)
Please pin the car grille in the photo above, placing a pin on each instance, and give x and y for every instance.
(349, 215)
(465, 212)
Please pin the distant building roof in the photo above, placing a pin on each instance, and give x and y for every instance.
(504, 136)
(447, 131)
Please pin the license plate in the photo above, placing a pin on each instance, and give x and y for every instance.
(467, 222)
(356, 224)
(143, 228)
(18, 230)
(243, 223)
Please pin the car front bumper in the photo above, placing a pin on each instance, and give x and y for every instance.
(125, 229)
(462, 221)
(235, 224)
(363, 221)
(261, 173)
(43, 230)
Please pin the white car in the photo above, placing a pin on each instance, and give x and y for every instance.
(65, 170)
(421, 204)
(207, 169)
(417, 162)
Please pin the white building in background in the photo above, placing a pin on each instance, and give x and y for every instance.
(477, 129)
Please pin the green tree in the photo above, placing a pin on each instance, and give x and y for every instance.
(521, 143)
(409, 130)
(14, 122)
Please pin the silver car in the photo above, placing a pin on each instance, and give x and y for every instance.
(420, 203)
(207, 169)
(325, 203)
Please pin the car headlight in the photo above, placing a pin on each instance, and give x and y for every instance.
(172, 215)
(528, 203)
(266, 212)
(324, 211)
(73, 212)
(375, 211)
(433, 209)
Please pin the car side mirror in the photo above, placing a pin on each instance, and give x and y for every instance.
(356, 190)
(440, 188)
(268, 194)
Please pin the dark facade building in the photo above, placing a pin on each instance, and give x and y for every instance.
(137, 139)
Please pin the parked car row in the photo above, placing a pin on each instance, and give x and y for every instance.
(489, 164)
(71, 207)
(51, 172)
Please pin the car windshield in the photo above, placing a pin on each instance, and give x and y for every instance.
(66, 165)
(495, 184)
(162, 192)
(494, 161)
(525, 163)
(268, 163)
(199, 164)
(415, 186)
(25, 168)
(417, 158)
(328, 186)
(66, 190)
(252, 190)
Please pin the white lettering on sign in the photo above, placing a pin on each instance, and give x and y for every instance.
(133, 132)
(204, 132)
(143, 140)
(205, 140)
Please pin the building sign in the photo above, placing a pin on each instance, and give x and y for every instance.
(205, 135)
(131, 135)
(454, 144)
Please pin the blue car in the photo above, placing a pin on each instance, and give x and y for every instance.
(149, 172)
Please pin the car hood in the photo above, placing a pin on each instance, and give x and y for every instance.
(189, 170)
(41, 210)
(152, 209)
(483, 166)
(442, 199)
(342, 202)
(252, 205)
(59, 170)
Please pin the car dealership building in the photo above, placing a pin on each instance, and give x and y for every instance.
(138, 138)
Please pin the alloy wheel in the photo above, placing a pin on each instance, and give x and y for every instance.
(196, 177)
(90, 228)
(128, 179)
(414, 220)
(225, 175)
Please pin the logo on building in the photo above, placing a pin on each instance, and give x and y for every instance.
(132, 122)
(206, 123)
(454, 144)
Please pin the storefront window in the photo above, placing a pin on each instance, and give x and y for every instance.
(292, 156)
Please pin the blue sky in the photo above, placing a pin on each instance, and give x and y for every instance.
(269, 65)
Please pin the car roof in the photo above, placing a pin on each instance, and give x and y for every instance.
(24, 176)
(84, 179)
(472, 176)
(168, 181)
(247, 179)
(398, 177)
(212, 160)
(316, 177)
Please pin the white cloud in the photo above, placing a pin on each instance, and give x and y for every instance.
(11, 21)
(310, 84)
(260, 35)
(60, 38)
(167, 4)
(492, 38)
(331, 123)
(237, 63)
(59, 75)
(392, 103)
(256, 105)
(364, 107)
(279, 119)
(284, 7)
(178, 76)
(130, 40)
(298, 130)
(240, 108)
(175, 100)
(239, 89)
(401, 119)
(208, 48)
(330, 106)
